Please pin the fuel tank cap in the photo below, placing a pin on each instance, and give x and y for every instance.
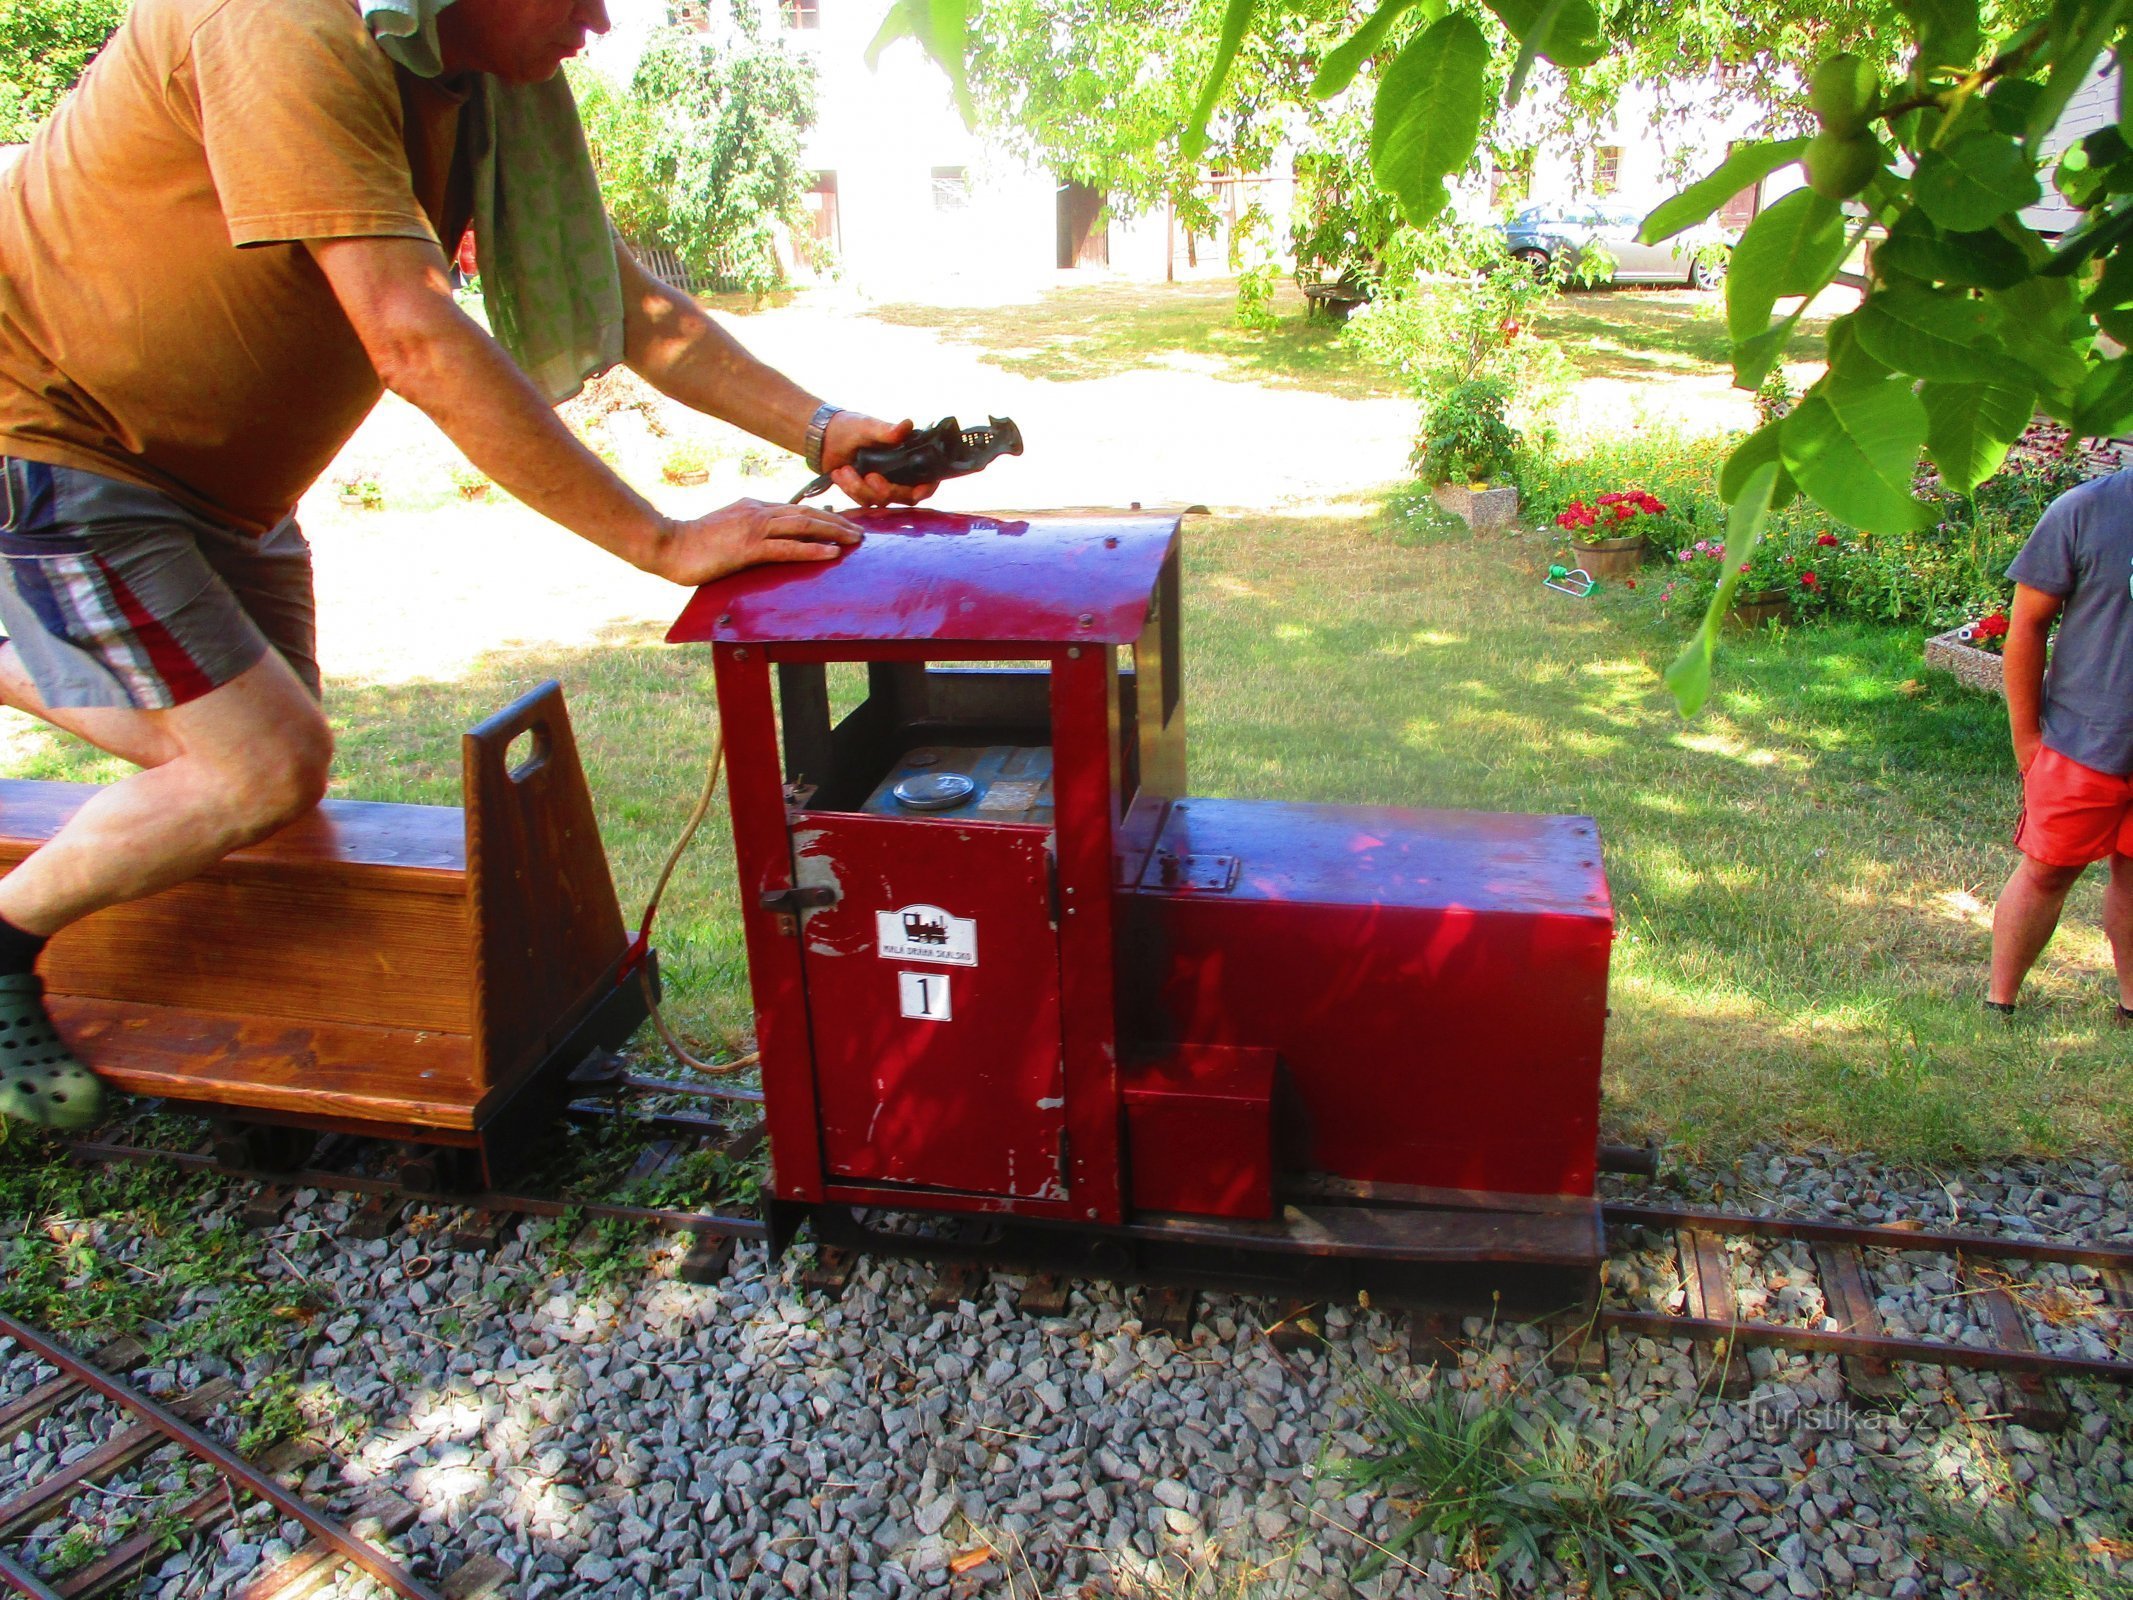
(934, 791)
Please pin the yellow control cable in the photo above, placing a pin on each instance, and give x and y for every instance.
(675, 1047)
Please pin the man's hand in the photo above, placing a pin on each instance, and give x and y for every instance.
(746, 534)
(2027, 742)
(851, 431)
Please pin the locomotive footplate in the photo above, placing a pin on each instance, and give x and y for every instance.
(1534, 1256)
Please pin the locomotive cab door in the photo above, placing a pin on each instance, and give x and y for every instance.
(933, 1002)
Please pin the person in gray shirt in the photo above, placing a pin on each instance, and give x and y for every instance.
(2072, 727)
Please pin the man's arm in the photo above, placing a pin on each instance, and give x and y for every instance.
(674, 345)
(398, 295)
(2029, 628)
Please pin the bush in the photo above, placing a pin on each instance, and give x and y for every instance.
(702, 152)
(45, 45)
(1463, 312)
(1680, 469)
(1938, 577)
(1466, 439)
(1956, 571)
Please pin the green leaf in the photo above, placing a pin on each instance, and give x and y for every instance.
(1927, 333)
(1529, 50)
(1754, 357)
(2104, 405)
(1750, 164)
(940, 28)
(1235, 20)
(1341, 65)
(2095, 236)
(1793, 247)
(1758, 448)
(2009, 102)
(1850, 360)
(2115, 287)
(2079, 33)
(1690, 675)
(1853, 447)
(1948, 32)
(1970, 425)
(1974, 182)
(1981, 260)
(1567, 32)
(1428, 114)
(2042, 327)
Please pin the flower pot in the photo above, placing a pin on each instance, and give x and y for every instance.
(687, 479)
(1487, 510)
(1979, 669)
(1611, 558)
(1754, 609)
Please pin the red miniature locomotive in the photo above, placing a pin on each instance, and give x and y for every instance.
(1005, 963)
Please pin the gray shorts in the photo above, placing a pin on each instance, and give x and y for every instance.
(116, 595)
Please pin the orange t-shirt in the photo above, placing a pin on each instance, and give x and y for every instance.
(160, 321)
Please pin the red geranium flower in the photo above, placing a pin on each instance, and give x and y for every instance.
(1809, 581)
(1826, 539)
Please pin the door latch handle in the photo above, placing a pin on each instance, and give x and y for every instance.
(801, 897)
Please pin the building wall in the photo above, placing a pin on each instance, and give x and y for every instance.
(1653, 156)
(894, 143)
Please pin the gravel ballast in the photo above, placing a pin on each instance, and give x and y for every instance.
(644, 1436)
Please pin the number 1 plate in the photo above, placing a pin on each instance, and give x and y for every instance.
(924, 995)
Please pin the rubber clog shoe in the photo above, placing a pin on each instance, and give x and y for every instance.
(40, 1081)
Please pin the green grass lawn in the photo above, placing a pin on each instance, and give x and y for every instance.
(1801, 876)
(1654, 333)
(1100, 330)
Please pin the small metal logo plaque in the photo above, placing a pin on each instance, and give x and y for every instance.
(924, 995)
(926, 933)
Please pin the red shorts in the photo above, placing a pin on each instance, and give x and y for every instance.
(2071, 814)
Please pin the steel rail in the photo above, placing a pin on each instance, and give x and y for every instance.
(1883, 1346)
(22, 1581)
(231, 1466)
(503, 1204)
(1871, 1236)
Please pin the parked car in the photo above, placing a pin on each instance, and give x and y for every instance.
(1555, 238)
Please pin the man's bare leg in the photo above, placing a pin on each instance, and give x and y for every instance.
(2022, 922)
(218, 772)
(129, 735)
(2118, 924)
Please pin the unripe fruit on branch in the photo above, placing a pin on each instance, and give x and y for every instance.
(1838, 166)
(1843, 93)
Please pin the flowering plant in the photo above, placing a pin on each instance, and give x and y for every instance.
(1608, 516)
(1794, 565)
(1987, 633)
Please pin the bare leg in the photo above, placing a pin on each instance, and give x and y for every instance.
(2118, 924)
(2022, 922)
(129, 735)
(219, 772)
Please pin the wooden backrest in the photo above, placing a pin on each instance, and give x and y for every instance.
(547, 930)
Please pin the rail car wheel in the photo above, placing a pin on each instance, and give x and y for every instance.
(261, 1146)
(429, 1169)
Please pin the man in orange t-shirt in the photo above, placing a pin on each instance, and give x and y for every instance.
(212, 258)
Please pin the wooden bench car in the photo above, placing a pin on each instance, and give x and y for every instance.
(427, 974)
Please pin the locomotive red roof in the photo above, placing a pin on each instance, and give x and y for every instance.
(1046, 578)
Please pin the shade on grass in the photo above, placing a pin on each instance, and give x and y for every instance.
(1802, 876)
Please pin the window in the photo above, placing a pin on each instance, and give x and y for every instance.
(1607, 169)
(951, 189)
(800, 13)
